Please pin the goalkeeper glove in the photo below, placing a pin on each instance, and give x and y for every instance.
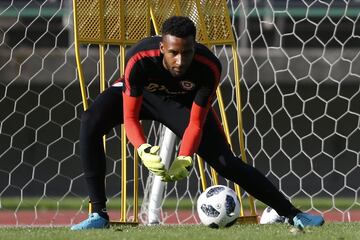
(179, 169)
(151, 159)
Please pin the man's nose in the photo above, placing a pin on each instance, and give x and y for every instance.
(178, 60)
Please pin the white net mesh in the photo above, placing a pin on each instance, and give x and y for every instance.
(300, 88)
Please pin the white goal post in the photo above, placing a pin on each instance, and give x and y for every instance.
(300, 85)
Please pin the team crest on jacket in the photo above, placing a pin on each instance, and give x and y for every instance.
(187, 85)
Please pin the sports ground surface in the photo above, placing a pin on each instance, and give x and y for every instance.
(52, 212)
(51, 220)
(338, 231)
(32, 219)
(67, 217)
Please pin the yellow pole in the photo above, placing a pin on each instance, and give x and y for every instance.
(123, 175)
(78, 60)
(239, 117)
(136, 187)
(156, 27)
(123, 151)
(102, 78)
(80, 71)
(202, 172)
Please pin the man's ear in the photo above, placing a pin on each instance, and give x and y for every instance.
(161, 46)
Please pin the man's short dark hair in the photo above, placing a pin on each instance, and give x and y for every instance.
(179, 26)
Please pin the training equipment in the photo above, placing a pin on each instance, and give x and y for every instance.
(179, 169)
(270, 216)
(218, 206)
(151, 159)
(94, 221)
(302, 220)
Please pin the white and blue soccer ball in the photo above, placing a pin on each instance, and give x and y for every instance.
(270, 216)
(218, 207)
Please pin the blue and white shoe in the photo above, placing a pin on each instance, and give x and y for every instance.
(302, 220)
(94, 221)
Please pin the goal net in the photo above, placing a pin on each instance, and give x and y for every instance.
(300, 89)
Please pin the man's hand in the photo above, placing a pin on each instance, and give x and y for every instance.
(179, 169)
(151, 159)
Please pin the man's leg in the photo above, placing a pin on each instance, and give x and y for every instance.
(103, 114)
(216, 151)
(98, 120)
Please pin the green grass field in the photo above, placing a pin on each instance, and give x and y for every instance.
(339, 231)
(72, 203)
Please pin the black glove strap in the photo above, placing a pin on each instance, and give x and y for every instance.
(147, 150)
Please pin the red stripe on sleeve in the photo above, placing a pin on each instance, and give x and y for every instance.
(134, 59)
(193, 133)
(214, 68)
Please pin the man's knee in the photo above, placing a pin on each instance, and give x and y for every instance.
(86, 117)
(90, 122)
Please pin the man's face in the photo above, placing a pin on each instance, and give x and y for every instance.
(178, 53)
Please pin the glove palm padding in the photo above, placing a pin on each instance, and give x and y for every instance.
(151, 159)
(179, 169)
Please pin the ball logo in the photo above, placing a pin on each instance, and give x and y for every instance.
(218, 207)
(187, 85)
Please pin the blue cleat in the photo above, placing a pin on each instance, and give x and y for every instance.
(95, 221)
(302, 220)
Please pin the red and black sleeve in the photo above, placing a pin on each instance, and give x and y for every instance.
(134, 130)
(134, 81)
(200, 108)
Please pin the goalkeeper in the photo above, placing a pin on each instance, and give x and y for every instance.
(171, 79)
